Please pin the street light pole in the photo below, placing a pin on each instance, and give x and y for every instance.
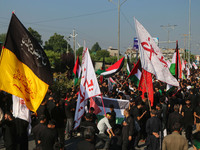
(119, 6)
(74, 44)
(189, 42)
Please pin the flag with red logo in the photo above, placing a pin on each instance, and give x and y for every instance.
(19, 109)
(152, 59)
(89, 86)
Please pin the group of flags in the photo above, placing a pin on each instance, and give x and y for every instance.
(26, 72)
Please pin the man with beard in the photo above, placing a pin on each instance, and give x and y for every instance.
(128, 127)
(9, 131)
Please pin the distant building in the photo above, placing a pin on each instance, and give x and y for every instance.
(113, 51)
(167, 53)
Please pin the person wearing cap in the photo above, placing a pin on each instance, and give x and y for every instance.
(188, 118)
(48, 136)
(153, 128)
(39, 128)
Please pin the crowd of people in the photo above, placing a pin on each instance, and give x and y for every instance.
(171, 122)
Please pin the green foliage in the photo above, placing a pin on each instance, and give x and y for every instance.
(57, 43)
(3, 37)
(110, 60)
(102, 53)
(79, 51)
(61, 83)
(54, 58)
(36, 35)
(96, 47)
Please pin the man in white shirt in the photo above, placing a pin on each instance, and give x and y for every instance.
(104, 125)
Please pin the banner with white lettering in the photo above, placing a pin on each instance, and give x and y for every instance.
(89, 86)
(152, 59)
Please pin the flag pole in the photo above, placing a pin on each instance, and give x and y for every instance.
(146, 90)
(103, 105)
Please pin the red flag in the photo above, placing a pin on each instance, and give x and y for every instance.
(146, 85)
(178, 68)
(95, 106)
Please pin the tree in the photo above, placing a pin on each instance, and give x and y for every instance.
(2, 37)
(36, 35)
(79, 51)
(102, 53)
(96, 47)
(57, 43)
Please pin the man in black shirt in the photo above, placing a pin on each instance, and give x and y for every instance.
(188, 118)
(58, 114)
(173, 118)
(39, 128)
(153, 128)
(94, 117)
(197, 117)
(9, 131)
(128, 127)
(48, 136)
(112, 121)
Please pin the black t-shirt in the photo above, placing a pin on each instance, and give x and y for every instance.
(85, 145)
(197, 110)
(188, 115)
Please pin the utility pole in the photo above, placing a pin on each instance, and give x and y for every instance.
(185, 40)
(168, 28)
(74, 43)
(118, 6)
(189, 42)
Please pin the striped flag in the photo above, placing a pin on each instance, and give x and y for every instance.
(119, 106)
(136, 73)
(25, 68)
(128, 65)
(77, 71)
(194, 65)
(116, 67)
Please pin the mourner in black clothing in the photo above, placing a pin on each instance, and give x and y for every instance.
(188, 118)
(153, 128)
(112, 121)
(9, 131)
(39, 128)
(94, 117)
(22, 134)
(58, 114)
(87, 143)
(173, 118)
(48, 136)
(88, 123)
(128, 131)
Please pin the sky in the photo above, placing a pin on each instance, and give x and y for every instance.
(97, 20)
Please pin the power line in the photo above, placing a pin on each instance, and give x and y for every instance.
(83, 15)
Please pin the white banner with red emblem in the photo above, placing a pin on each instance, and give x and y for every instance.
(19, 109)
(89, 86)
(152, 59)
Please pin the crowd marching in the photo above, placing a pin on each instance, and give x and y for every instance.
(171, 122)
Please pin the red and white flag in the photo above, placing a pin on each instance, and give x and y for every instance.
(194, 65)
(152, 59)
(19, 109)
(89, 86)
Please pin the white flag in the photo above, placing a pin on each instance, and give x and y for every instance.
(183, 64)
(152, 59)
(194, 65)
(19, 109)
(188, 72)
(89, 86)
